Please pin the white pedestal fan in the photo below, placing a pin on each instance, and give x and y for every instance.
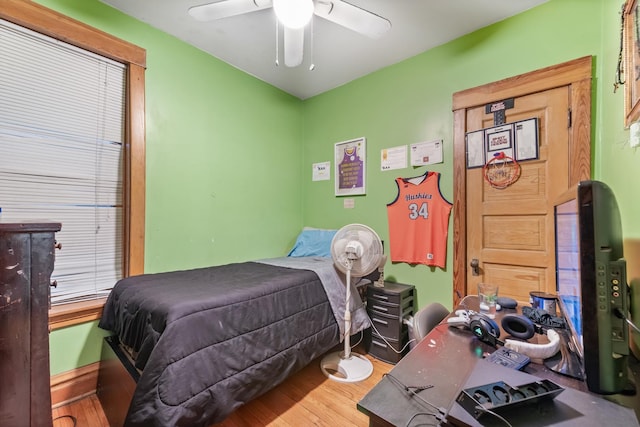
(356, 251)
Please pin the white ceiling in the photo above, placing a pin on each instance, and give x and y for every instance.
(248, 42)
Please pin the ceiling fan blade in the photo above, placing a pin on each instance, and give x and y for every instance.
(226, 8)
(353, 17)
(293, 46)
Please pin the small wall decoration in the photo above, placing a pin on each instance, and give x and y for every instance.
(350, 161)
(393, 158)
(426, 153)
(321, 171)
(526, 139)
(475, 149)
(631, 36)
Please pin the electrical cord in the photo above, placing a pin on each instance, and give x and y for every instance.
(373, 326)
(417, 414)
(359, 340)
(620, 65)
(493, 414)
(439, 415)
(619, 314)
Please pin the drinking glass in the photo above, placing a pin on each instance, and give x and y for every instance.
(487, 297)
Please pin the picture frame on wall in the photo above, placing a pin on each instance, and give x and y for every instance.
(350, 160)
(499, 139)
(526, 139)
(631, 32)
(475, 149)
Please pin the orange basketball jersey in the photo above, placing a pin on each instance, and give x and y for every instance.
(419, 221)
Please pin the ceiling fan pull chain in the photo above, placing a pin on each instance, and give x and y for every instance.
(312, 66)
(277, 42)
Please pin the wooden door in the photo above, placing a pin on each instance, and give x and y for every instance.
(510, 231)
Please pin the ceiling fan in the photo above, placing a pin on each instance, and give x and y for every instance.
(294, 15)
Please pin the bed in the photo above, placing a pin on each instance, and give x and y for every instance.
(202, 342)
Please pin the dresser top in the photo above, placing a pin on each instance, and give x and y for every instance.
(29, 226)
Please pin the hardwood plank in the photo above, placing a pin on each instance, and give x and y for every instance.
(306, 398)
(309, 398)
(87, 412)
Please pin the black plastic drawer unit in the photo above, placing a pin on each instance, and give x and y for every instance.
(388, 306)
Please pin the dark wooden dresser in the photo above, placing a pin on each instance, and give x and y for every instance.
(26, 263)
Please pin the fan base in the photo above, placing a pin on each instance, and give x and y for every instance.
(347, 370)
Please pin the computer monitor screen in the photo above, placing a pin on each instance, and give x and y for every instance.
(591, 283)
(568, 269)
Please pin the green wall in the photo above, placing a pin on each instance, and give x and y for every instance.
(215, 138)
(412, 101)
(216, 191)
(615, 162)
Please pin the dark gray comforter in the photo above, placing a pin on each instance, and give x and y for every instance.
(210, 339)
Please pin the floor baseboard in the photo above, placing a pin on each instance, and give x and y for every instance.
(74, 385)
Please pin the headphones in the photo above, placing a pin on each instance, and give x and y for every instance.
(516, 325)
(522, 328)
(519, 326)
(485, 328)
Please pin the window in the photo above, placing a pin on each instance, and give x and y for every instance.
(129, 201)
(61, 138)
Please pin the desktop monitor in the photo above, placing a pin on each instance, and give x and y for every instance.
(591, 284)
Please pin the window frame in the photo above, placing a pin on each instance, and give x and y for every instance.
(53, 24)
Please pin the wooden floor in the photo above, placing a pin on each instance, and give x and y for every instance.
(86, 412)
(306, 399)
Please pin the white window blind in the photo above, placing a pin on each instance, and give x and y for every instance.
(62, 115)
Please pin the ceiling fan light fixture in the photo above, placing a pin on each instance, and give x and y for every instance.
(293, 14)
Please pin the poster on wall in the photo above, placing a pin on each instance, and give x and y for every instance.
(393, 158)
(475, 149)
(499, 139)
(526, 138)
(350, 167)
(426, 153)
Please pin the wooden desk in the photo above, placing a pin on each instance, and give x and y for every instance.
(449, 360)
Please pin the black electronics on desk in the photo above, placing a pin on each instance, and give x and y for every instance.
(592, 287)
(387, 307)
(493, 394)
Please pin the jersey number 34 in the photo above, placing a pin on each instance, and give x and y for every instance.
(416, 210)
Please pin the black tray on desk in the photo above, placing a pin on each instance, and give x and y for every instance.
(499, 396)
(569, 408)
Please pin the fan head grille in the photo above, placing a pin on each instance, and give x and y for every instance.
(357, 247)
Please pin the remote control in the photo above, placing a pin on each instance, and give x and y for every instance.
(509, 358)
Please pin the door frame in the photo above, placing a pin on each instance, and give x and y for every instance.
(577, 75)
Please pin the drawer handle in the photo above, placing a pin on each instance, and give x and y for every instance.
(380, 308)
(380, 321)
(381, 297)
(379, 344)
